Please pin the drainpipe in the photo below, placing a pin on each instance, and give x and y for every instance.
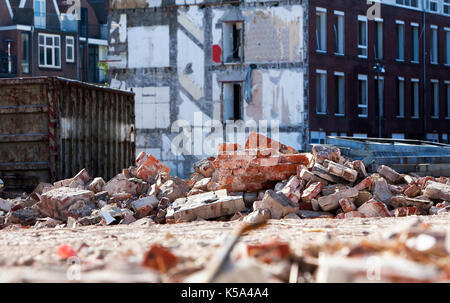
(31, 63)
(424, 70)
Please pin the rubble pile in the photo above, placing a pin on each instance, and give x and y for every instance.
(262, 180)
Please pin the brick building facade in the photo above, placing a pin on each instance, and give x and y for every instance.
(396, 63)
(39, 38)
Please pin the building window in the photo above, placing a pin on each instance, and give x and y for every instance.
(434, 45)
(435, 98)
(400, 97)
(444, 138)
(39, 13)
(318, 137)
(362, 37)
(411, 3)
(321, 33)
(232, 42)
(232, 95)
(321, 92)
(359, 135)
(379, 90)
(362, 96)
(433, 5)
(415, 42)
(432, 137)
(447, 93)
(447, 46)
(400, 40)
(398, 136)
(378, 47)
(70, 49)
(446, 5)
(339, 32)
(339, 84)
(415, 98)
(25, 46)
(49, 51)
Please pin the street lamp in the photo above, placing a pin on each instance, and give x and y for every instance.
(379, 69)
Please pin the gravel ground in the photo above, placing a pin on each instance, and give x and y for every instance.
(114, 253)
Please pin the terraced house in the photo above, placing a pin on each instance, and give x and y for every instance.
(317, 67)
(53, 38)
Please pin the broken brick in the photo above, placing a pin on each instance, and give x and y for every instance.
(359, 166)
(347, 205)
(258, 216)
(160, 258)
(149, 168)
(389, 174)
(341, 171)
(311, 192)
(412, 190)
(381, 191)
(204, 167)
(405, 211)
(331, 202)
(258, 141)
(373, 209)
(438, 191)
(366, 183)
(278, 204)
(269, 252)
(326, 152)
(293, 189)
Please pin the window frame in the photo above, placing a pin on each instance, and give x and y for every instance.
(339, 32)
(379, 39)
(42, 14)
(53, 47)
(446, 5)
(401, 101)
(362, 47)
(400, 24)
(447, 46)
(73, 48)
(434, 44)
(415, 26)
(360, 105)
(414, 82)
(319, 74)
(337, 77)
(435, 98)
(322, 36)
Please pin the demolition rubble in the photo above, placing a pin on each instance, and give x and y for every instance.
(262, 180)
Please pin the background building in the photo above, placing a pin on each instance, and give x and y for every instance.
(395, 66)
(44, 38)
(243, 60)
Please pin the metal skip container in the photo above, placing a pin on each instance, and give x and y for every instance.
(51, 128)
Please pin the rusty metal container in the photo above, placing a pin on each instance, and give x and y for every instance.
(51, 128)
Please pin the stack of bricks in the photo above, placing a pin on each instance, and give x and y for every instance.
(260, 165)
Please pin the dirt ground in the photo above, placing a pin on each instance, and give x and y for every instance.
(114, 253)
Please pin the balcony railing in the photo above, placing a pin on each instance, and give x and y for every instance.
(8, 66)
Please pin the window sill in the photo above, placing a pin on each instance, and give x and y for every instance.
(50, 67)
(447, 118)
(339, 54)
(321, 51)
(435, 117)
(339, 115)
(362, 57)
(233, 63)
(363, 116)
(400, 60)
(415, 117)
(321, 114)
(415, 62)
(400, 117)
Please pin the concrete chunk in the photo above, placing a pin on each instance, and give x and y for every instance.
(5, 205)
(381, 191)
(326, 152)
(278, 204)
(323, 173)
(144, 206)
(56, 203)
(389, 174)
(437, 191)
(341, 171)
(96, 185)
(258, 216)
(331, 202)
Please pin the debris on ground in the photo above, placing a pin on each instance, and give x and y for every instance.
(263, 179)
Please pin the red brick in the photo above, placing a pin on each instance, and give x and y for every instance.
(412, 190)
(373, 208)
(296, 158)
(340, 216)
(405, 211)
(258, 141)
(159, 258)
(228, 148)
(267, 152)
(269, 252)
(347, 205)
(354, 214)
(150, 167)
(312, 191)
(253, 187)
(363, 184)
(271, 161)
